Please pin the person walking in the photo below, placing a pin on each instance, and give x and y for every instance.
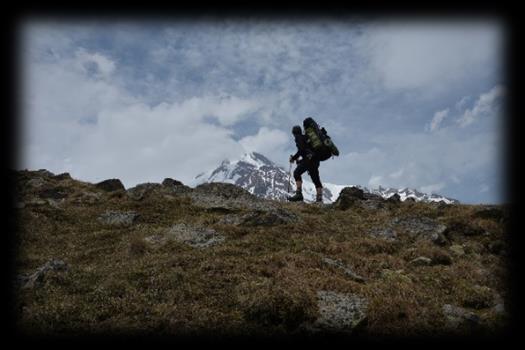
(308, 162)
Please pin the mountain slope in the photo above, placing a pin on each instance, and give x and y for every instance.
(215, 260)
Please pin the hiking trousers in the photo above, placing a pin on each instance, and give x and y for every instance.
(312, 166)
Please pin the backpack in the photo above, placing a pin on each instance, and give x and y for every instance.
(319, 140)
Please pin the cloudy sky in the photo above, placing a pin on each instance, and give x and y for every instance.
(410, 103)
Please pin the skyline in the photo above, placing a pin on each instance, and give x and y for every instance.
(409, 104)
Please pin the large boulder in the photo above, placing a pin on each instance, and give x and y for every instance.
(348, 197)
(140, 191)
(168, 182)
(111, 185)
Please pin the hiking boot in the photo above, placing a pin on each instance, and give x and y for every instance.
(297, 197)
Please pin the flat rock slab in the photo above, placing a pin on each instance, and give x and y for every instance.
(271, 217)
(347, 270)
(387, 234)
(340, 312)
(422, 227)
(116, 218)
(195, 236)
(37, 278)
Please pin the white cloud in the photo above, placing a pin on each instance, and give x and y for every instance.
(486, 104)
(103, 66)
(271, 142)
(375, 181)
(438, 119)
(416, 55)
(433, 188)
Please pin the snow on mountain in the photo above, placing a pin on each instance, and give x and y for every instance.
(262, 177)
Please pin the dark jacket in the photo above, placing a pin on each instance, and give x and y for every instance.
(302, 147)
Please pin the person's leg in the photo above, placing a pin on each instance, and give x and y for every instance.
(301, 168)
(314, 174)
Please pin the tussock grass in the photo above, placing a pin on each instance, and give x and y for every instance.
(260, 280)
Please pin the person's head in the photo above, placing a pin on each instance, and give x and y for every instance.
(297, 130)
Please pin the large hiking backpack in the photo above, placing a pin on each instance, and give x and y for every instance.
(319, 140)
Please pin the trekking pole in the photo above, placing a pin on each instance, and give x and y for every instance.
(289, 177)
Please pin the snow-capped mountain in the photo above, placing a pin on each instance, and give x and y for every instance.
(262, 177)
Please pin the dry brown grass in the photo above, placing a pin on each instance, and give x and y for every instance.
(260, 280)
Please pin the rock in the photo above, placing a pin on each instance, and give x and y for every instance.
(383, 233)
(140, 191)
(410, 200)
(225, 197)
(54, 193)
(36, 182)
(117, 218)
(491, 213)
(63, 176)
(438, 238)
(269, 218)
(462, 229)
(89, 198)
(395, 198)
(457, 316)
(167, 182)
(457, 250)
(348, 196)
(422, 227)
(224, 190)
(198, 237)
(37, 278)
(421, 261)
(345, 268)
(111, 185)
(45, 173)
(340, 312)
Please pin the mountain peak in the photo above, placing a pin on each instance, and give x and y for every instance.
(262, 177)
(256, 159)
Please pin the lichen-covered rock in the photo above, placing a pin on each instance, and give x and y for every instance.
(195, 236)
(421, 261)
(37, 278)
(422, 227)
(140, 191)
(347, 270)
(226, 197)
(340, 312)
(457, 316)
(387, 234)
(117, 218)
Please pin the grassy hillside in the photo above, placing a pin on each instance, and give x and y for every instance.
(167, 259)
